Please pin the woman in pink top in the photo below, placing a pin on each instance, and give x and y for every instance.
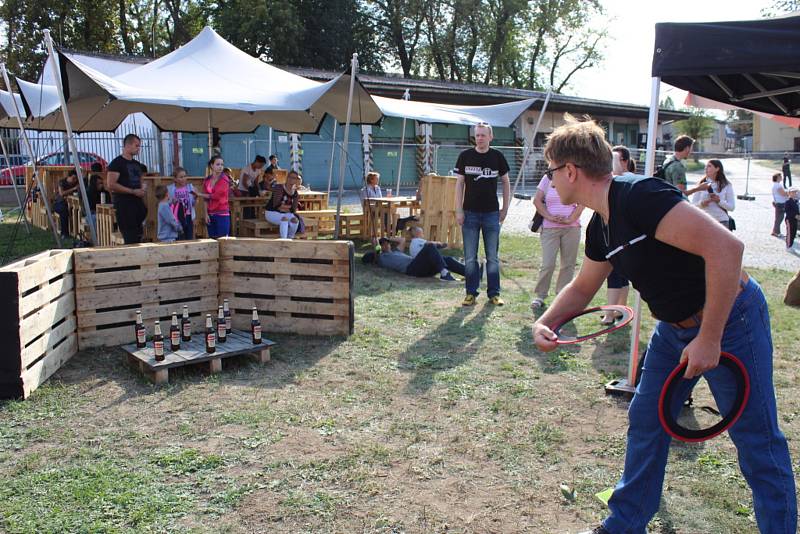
(215, 191)
(561, 231)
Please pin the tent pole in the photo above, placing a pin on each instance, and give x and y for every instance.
(42, 190)
(210, 135)
(269, 144)
(343, 162)
(70, 137)
(14, 181)
(159, 150)
(529, 148)
(406, 97)
(628, 386)
(333, 153)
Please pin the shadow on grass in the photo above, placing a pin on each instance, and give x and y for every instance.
(559, 360)
(450, 345)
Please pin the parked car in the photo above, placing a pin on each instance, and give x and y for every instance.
(56, 158)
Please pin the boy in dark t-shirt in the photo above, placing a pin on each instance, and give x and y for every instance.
(477, 211)
(687, 268)
(125, 183)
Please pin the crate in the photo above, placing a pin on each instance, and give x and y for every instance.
(37, 320)
(112, 283)
(438, 217)
(194, 352)
(301, 287)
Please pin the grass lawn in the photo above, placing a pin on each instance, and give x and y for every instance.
(23, 244)
(774, 164)
(430, 418)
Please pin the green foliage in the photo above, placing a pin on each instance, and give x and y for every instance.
(667, 103)
(699, 125)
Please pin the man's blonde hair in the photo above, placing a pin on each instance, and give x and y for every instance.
(582, 143)
(486, 126)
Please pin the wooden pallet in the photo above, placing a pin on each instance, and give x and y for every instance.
(158, 279)
(37, 320)
(194, 352)
(261, 228)
(297, 286)
(438, 217)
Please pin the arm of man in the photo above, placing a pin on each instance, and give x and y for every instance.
(460, 199)
(115, 187)
(722, 253)
(506, 196)
(572, 299)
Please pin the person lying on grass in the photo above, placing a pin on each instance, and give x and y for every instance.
(428, 261)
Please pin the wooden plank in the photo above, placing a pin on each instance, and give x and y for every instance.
(44, 368)
(338, 268)
(127, 296)
(46, 294)
(120, 335)
(39, 347)
(40, 268)
(290, 306)
(39, 322)
(89, 259)
(147, 273)
(272, 248)
(89, 318)
(314, 327)
(340, 288)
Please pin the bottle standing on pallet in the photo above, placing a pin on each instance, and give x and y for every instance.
(211, 337)
(140, 332)
(174, 334)
(226, 310)
(186, 324)
(158, 342)
(255, 327)
(222, 333)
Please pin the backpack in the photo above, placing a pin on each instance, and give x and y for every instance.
(661, 170)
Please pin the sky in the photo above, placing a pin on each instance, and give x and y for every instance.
(624, 75)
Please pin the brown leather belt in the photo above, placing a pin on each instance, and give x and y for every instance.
(696, 319)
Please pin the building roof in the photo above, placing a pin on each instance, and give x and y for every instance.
(479, 94)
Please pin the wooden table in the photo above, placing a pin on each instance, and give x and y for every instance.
(381, 214)
(239, 204)
(313, 200)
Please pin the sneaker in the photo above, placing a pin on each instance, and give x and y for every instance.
(596, 530)
(496, 300)
(447, 278)
(469, 300)
(537, 304)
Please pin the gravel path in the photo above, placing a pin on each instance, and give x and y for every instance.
(753, 218)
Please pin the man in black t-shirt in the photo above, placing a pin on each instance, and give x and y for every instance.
(477, 210)
(704, 302)
(125, 183)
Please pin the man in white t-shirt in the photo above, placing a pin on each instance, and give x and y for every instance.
(250, 175)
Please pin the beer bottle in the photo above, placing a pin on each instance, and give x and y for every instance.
(226, 310)
(222, 334)
(174, 334)
(255, 327)
(140, 332)
(211, 337)
(186, 324)
(158, 342)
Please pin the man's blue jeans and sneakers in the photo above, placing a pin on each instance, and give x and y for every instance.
(487, 224)
(762, 448)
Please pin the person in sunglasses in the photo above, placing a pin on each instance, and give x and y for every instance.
(687, 268)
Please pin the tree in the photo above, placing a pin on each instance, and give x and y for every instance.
(740, 121)
(667, 103)
(699, 125)
(399, 23)
(781, 7)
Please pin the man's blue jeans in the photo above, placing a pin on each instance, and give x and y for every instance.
(476, 222)
(762, 448)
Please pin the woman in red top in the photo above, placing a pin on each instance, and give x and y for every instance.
(215, 191)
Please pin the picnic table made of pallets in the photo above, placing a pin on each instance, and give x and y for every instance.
(193, 352)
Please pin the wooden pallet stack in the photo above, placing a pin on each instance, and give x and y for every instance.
(438, 217)
(158, 279)
(37, 320)
(300, 287)
(151, 223)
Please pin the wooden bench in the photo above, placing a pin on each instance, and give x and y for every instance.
(194, 352)
(256, 228)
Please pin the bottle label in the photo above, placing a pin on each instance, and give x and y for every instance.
(175, 337)
(228, 322)
(187, 330)
(159, 347)
(140, 337)
(257, 332)
(221, 330)
(210, 340)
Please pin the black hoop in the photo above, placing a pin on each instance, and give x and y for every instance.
(627, 317)
(681, 433)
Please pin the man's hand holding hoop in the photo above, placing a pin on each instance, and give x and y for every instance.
(702, 355)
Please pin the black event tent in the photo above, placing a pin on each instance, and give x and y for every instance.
(752, 64)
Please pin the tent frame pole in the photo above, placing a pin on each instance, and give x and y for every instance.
(627, 386)
(71, 137)
(333, 154)
(14, 181)
(529, 147)
(345, 141)
(29, 148)
(406, 97)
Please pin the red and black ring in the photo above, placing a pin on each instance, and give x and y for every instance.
(665, 401)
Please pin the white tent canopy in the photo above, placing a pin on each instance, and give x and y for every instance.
(7, 112)
(40, 100)
(497, 115)
(177, 91)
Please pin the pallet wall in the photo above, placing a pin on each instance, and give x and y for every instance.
(302, 287)
(112, 283)
(438, 210)
(37, 320)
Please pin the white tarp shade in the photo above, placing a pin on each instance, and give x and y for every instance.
(7, 112)
(208, 73)
(40, 100)
(500, 115)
